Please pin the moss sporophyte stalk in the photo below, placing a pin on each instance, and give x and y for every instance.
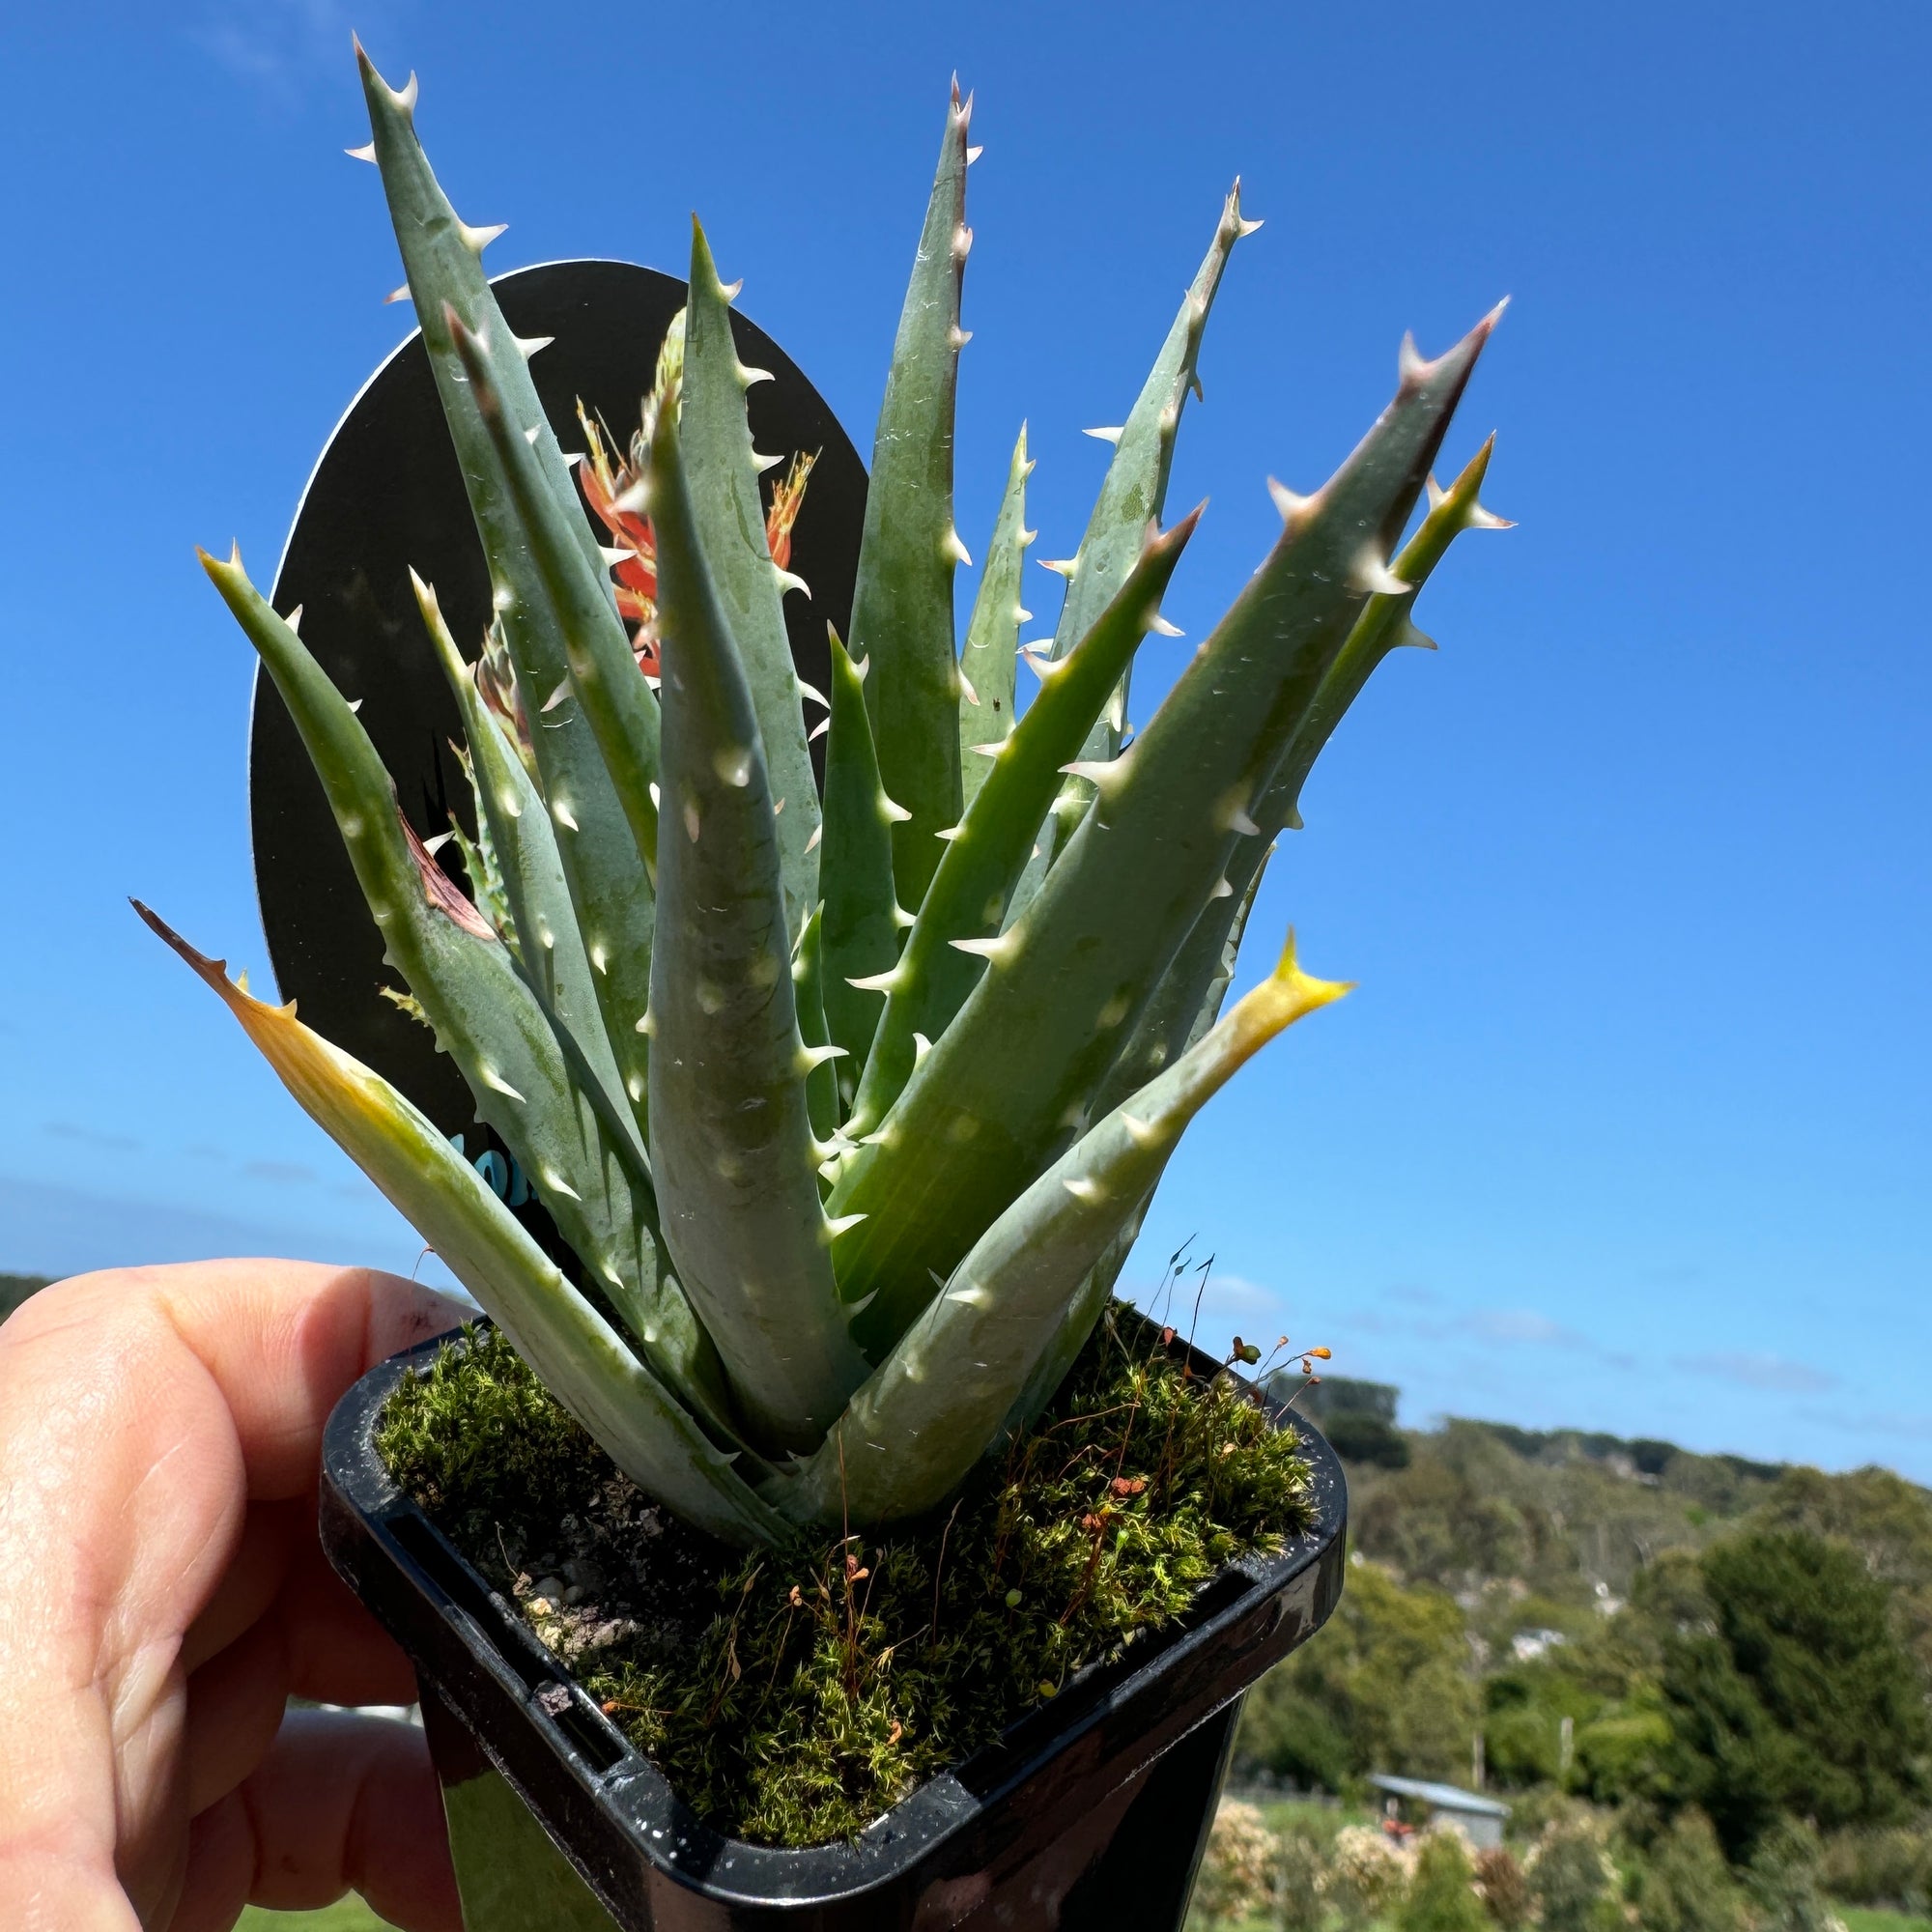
(846, 1103)
(793, 1694)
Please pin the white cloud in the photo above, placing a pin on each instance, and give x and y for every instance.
(278, 46)
(278, 1170)
(1508, 1327)
(96, 1137)
(1905, 1428)
(1753, 1369)
(1516, 1325)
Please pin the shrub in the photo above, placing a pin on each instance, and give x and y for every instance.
(1888, 1868)
(1503, 1887)
(1238, 1870)
(1366, 1875)
(1570, 1873)
(1442, 1893)
(1783, 1880)
(1685, 1885)
(1300, 1883)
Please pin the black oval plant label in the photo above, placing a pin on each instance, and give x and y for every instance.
(385, 497)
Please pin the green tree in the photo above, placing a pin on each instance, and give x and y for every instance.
(1386, 1685)
(1523, 1724)
(1886, 1520)
(1622, 1754)
(1797, 1696)
(1441, 1895)
(1296, 1736)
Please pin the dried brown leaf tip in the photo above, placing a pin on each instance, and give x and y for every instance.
(440, 889)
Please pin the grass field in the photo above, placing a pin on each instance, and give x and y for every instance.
(1863, 1918)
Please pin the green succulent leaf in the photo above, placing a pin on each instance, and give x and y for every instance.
(529, 554)
(721, 470)
(808, 991)
(902, 603)
(960, 917)
(602, 666)
(925, 1415)
(1190, 990)
(581, 1359)
(442, 256)
(988, 661)
(510, 818)
(1069, 1334)
(861, 925)
(480, 863)
(736, 1164)
(1132, 496)
(852, 1143)
(1018, 1067)
(531, 1082)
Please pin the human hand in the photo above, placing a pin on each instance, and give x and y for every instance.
(162, 1594)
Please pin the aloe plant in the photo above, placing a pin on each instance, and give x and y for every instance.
(849, 1110)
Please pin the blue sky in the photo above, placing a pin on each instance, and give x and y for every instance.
(1626, 1125)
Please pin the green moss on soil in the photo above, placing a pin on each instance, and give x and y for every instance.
(792, 1696)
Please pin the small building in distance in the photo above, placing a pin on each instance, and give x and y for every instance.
(1479, 1819)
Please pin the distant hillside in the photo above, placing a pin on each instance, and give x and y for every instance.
(1568, 1516)
(1565, 1516)
(1559, 1610)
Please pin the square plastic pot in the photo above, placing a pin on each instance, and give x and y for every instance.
(1090, 1814)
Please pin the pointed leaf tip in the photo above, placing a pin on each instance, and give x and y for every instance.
(214, 971)
(1307, 991)
(403, 99)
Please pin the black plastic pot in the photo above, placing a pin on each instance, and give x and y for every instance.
(1090, 1813)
